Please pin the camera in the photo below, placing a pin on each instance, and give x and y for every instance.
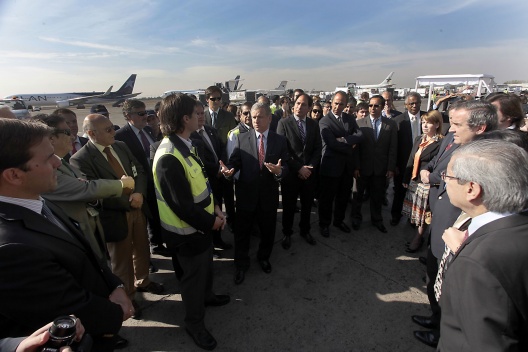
(62, 333)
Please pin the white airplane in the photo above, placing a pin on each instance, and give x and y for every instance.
(62, 100)
(384, 84)
(226, 87)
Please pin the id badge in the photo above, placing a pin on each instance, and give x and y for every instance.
(93, 213)
(134, 171)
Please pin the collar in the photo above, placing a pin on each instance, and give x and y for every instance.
(411, 116)
(211, 112)
(297, 118)
(265, 133)
(31, 204)
(478, 221)
(337, 117)
(100, 147)
(201, 129)
(135, 129)
(372, 119)
(187, 142)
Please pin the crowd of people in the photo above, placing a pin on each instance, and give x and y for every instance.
(86, 213)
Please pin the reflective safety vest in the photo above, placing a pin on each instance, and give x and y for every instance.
(198, 182)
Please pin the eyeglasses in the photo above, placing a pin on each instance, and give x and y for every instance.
(374, 106)
(316, 111)
(107, 129)
(140, 113)
(443, 175)
(245, 113)
(66, 132)
(414, 103)
(215, 99)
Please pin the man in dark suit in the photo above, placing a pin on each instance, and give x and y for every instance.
(123, 218)
(138, 140)
(340, 136)
(262, 158)
(48, 268)
(377, 161)
(304, 145)
(71, 121)
(389, 111)
(483, 294)
(409, 127)
(468, 119)
(275, 118)
(209, 147)
(222, 120)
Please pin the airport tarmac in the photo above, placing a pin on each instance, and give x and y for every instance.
(349, 292)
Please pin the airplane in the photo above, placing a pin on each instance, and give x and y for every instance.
(384, 84)
(280, 90)
(63, 100)
(226, 87)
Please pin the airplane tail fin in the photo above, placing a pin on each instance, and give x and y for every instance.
(232, 84)
(282, 85)
(128, 86)
(388, 79)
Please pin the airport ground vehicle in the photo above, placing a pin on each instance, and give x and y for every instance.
(18, 107)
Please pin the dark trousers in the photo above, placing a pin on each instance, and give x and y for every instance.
(333, 191)
(266, 221)
(228, 196)
(399, 196)
(196, 280)
(292, 188)
(375, 185)
(432, 271)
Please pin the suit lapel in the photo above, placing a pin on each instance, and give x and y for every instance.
(253, 144)
(293, 125)
(99, 159)
(123, 156)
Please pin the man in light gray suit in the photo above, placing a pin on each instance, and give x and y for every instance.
(76, 196)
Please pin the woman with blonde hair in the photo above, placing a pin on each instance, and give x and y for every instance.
(425, 148)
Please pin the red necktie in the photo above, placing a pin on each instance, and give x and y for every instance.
(74, 149)
(261, 153)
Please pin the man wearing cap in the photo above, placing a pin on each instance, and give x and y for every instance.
(139, 140)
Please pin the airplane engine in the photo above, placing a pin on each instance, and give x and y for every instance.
(63, 104)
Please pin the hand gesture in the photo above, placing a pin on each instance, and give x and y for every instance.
(275, 169)
(225, 171)
(453, 238)
(424, 176)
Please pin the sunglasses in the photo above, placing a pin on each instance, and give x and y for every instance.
(215, 99)
(140, 113)
(107, 129)
(316, 111)
(66, 132)
(245, 113)
(374, 106)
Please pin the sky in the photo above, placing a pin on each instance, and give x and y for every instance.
(72, 46)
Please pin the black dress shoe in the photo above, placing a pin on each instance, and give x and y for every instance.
(286, 242)
(222, 245)
(342, 226)
(325, 231)
(120, 342)
(430, 338)
(308, 238)
(265, 265)
(380, 226)
(152, 287)
(240, 275)
(218, 300)
(423, 260)
(395, 221)
(203, 339)
(426, 322)
(152, 268)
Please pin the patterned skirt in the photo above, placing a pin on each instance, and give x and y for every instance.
(416, 203)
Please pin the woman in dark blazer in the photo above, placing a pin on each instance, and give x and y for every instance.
(424, 149)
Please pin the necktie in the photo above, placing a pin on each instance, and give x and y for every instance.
(463, 222)
(145, 142)
(116, 166)
(74, 148)
(376, 124)
(301, 130)
(209, 145)
(449, 146)
(52, 218)
(261, 152)
(213, 119)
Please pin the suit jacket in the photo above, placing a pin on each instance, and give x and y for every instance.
(113, 214)
(405, 139)
(254, 185)
(72, 195)
(301, 154)
(126, 134)
(225, 122)
(378, 156)
(207, 156)
(444, 213)
(83, 141)
(425, 157)
(484, 293)
(46, 272)
(339, 157)
(10, 344)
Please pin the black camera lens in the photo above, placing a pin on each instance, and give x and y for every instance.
(62, 332)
